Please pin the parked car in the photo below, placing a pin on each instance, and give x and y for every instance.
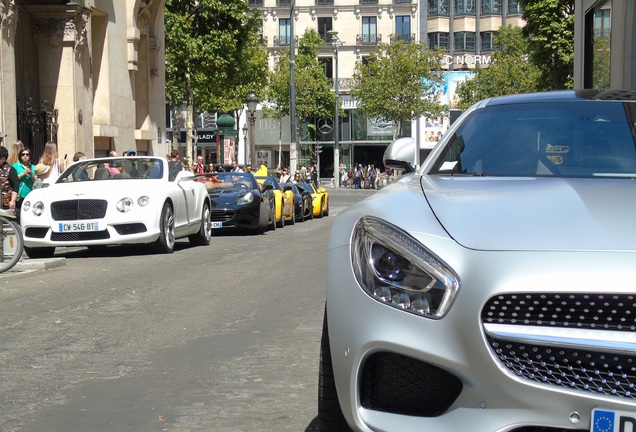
(113, 201)
(284, 203)
(320, 198)
(303, 202)
(237, 201)
(492, 289)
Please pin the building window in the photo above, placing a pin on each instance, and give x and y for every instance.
(438, 8)
(369, 30)
(284, 32)
(327, 66)
(488, 41)
(255, 3)
(325, 24)
(464, 42)
(597, 57)
(438, 40)
(491, 7)
(514, 8)
(403, 28)
(464, 7)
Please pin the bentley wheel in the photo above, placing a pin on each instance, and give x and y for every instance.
(165, 242)
(203, 236)
(330, 415)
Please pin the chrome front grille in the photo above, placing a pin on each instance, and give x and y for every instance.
(583, 342)
(615, 312)
(77, 209)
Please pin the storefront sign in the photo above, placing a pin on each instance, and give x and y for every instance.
(467, 59)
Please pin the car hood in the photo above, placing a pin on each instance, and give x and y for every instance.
(109, 190)
(490, 213)
(226, 196)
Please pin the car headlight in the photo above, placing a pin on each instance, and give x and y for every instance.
(37, 209)
(395, 269)
(245, 199)
(143, 201)
(125, 205)
(26, 205)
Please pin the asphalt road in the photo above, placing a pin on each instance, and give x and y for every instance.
(218, 338)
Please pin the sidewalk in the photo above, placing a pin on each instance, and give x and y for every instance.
(27, 264)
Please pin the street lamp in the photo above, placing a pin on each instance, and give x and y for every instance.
(252, 102)
(336, 127)
(245, 144)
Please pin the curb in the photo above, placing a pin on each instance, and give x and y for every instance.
(27, 264)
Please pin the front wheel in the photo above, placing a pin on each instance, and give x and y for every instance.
(12, 244)
(203, 236)
(165, 242)
(330, 415)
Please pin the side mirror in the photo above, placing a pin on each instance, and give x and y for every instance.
(266, 187)
(286, 188)
(184, 175)
(400, 154)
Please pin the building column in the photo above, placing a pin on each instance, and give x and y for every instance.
(8, 96)
(65, 73)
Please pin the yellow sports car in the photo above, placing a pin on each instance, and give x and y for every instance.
(320, 198)
(283, 200)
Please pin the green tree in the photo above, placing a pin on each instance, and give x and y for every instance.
(214, 56)
(510, 72)
(399, 82)
(314, 97)
(550, 31)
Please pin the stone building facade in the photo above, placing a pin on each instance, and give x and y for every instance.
(87, 74)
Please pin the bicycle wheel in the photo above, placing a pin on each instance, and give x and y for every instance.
(11, 244)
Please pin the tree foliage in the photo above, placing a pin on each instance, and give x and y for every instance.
(213, 48)
(314, 98)
(399, 82)
(550, 32)
(510, 72)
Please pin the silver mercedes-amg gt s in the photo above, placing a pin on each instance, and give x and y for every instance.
(494, 288)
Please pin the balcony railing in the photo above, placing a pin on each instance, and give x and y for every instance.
(255, 3)
(368, 2)
(324, 2)
(406, 38)
(402, 1)
(368, 39)
(283, 2)
(284, 40)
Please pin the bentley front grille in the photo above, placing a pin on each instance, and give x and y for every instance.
(78, 209)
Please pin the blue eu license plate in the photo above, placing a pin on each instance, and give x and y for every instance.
(604, 420)
(78, 226)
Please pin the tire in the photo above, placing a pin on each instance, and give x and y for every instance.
(327, 211)
(330, 417)
(311, 211)
(13, 244)
(293, 218)
(321, 214)
(41, 252)
(165, 242)
(302, 213)
(281, 223)
(203, 236)
(272, 220)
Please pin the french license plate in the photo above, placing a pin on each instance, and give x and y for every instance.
(604, 420)
(78, 226)
(217, 224)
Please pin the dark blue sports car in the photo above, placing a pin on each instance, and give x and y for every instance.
(237, 200)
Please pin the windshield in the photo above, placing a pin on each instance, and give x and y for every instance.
(113, 169)
(229, 181)
(567, 139)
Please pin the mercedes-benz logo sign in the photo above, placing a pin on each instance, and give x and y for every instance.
(324, 126)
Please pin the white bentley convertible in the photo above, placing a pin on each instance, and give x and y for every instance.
(114, 201)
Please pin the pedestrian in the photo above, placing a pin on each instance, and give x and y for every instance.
(357, 177)
(372, 176)
(285, 177)
(9, 181)
(112, 153)
(235, 167)
(174, 165)
(199, 169)
(247, 168)
(185, 164)
(26, 174)
(48, 168)
(14, 154)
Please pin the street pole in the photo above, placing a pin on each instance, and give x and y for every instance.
(252, 141)
(292, 91)
(336, 126)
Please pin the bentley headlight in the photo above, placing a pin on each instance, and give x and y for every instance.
(38, 208)
(245, 199)
(26, 205)
(395, 269)
(143, 201)
(124, 205)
